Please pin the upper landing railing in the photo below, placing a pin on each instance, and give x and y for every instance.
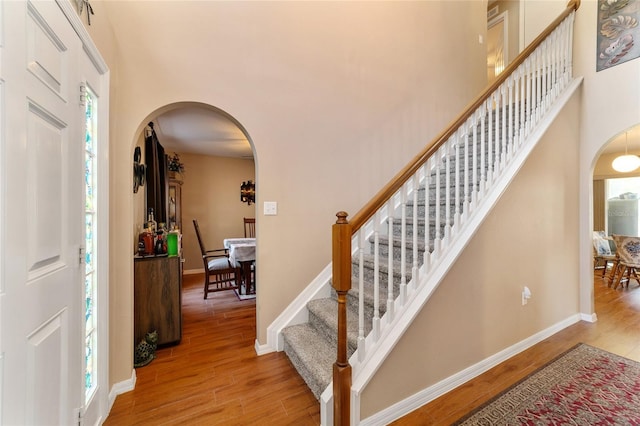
(438, 192)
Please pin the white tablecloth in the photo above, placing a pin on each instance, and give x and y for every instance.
(241, 249)
(229, 241)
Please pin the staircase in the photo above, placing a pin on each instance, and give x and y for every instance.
(312, 346)
(404, 241)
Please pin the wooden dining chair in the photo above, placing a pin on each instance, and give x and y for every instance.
(219, 273)
(249, 227)
(628, 252)
(604, 254)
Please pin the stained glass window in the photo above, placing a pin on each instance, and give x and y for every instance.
(90, 282)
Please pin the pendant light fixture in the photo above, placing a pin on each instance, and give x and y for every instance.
(626, 163)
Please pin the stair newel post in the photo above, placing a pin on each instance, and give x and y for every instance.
(342, 283)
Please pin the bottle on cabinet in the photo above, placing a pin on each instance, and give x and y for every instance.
(145, 242)
(151, 222)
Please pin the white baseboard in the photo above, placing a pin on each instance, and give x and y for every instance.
(122, 387)
(589, 317)
(427, 395)
(296, 312)
(263, 349)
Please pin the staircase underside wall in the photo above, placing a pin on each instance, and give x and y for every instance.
(529, 239)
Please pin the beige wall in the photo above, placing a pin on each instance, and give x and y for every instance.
(529, 239)
(334, 96)
(611, 106)
(211, 194)
(536, 15)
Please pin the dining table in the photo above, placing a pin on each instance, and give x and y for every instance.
(242, 251)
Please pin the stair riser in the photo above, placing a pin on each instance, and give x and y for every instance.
(352, 303)
(397, 253)
(397, 230)
(328, 330)
(316, 387)
(443, 191)
(368, 272)
(432, 211)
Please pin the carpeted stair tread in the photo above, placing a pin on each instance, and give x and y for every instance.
(311, 355)
(323, 316)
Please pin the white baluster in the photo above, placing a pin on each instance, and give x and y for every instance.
(511, 107)
(457, 161)
(361, 339)
(537, 82)
(390, 305)
(414, 270)
(529, 113)
(569, 48)
(496, 136)
(403, 247)
(476, 166)
(490, 149)
(544, 59)
(503, 132)
(376, 277)
(523, 103)
(427, 220)
(517, 122)
(438, 236)
(483, 148)
(447, 194)
(554, 68)
(468, 163)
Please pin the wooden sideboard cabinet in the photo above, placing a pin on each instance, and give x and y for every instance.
(157, 298)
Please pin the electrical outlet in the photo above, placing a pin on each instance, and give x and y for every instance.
(526, 295)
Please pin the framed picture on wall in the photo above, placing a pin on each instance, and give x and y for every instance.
(618, 32)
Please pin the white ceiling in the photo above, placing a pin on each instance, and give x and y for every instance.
(200, 130)
(619, 143)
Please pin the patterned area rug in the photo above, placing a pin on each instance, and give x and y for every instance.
(583, 386)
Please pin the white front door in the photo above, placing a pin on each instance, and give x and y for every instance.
(42, 217)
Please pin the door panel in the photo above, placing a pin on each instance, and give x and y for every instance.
(46, 386)
(42, 161)
(45, 144)
(45, 49)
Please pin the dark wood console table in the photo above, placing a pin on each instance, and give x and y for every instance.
(157, 298)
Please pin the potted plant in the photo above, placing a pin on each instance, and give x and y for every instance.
(175, 166)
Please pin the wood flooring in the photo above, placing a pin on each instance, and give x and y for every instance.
(214, 376)
(617, 330)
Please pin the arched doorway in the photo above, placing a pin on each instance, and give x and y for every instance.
(616, 194)
(214, 156)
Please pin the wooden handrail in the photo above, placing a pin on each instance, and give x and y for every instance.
(344, 229)
(369, 209)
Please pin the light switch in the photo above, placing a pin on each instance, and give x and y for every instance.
(270, 208)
